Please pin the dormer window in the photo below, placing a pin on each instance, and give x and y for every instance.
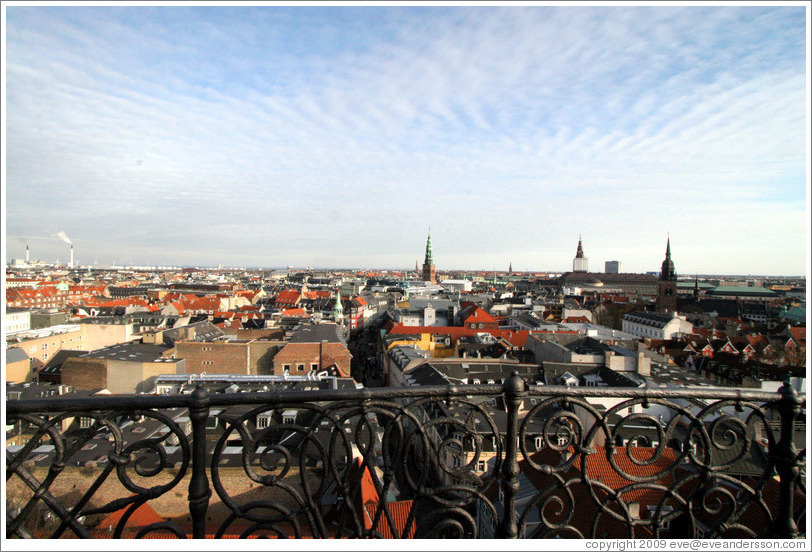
(263, 420)
(289, 417)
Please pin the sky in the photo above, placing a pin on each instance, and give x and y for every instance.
(339, 136)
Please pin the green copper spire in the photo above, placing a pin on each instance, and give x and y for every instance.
(338, 310)
(429, 255)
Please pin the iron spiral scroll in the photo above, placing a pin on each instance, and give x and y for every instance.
(142, 469)
(325, 452)
(468, 461)
(678, 470)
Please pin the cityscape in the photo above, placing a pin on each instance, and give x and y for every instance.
(424, 272)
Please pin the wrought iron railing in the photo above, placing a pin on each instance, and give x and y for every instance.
(458, 461)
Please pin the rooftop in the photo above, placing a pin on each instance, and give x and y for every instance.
(132, 352)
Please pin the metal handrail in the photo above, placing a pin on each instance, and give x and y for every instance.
(428, 445)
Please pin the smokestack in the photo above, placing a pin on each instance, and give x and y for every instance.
(26, 253)
(71, 256)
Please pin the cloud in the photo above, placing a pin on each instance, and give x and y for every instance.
(496, 120)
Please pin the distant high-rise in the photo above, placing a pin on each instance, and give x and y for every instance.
(667, 285)
(429, 270)
(580, 263)
(612, 267)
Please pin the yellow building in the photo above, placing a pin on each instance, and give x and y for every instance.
(438, 346)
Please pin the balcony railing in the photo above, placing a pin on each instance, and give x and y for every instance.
(506, 460)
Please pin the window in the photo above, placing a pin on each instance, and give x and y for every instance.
(85, 422)
(314, 366)
(562, 440)
(481, 466)
(262, 421)
(300, 367)
(538, 441)
(286, 367)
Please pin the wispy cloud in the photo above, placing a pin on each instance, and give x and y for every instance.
(509, 129)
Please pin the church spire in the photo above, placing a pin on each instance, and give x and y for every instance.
(668, 273)
(338, 309)
(429, 271)
(580, 263)
(667, 286)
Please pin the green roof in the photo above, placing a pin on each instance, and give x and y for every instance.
(690, 285)
(796, 314)
(742, 290)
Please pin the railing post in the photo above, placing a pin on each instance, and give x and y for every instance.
(199, 491)
(786, 464)
(513, 389)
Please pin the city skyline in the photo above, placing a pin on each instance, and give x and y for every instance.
(336, 136)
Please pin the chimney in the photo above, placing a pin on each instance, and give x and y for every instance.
(26, 253)
(71, 257)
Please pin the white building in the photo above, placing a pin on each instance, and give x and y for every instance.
(427, 312)
(655, 325)
(457, 285)
(17, 320)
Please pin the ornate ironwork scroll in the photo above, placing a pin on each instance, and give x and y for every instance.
(452, 462)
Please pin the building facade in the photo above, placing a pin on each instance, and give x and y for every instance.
(655, 325)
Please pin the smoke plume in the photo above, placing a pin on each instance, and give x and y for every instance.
(63, 236)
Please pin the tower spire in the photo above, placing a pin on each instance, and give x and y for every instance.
(580, 263)
(429, 271)
(667, 286)
(429, 253)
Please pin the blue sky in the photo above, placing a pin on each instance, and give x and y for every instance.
(336, 136)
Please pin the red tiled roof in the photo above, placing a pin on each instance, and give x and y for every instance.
(294, 312)
(142, 516)
(230, 325)
(318, 294)
(369, 498)
(798, 333)
(575, 320)
(517, 338)
(287, 297)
